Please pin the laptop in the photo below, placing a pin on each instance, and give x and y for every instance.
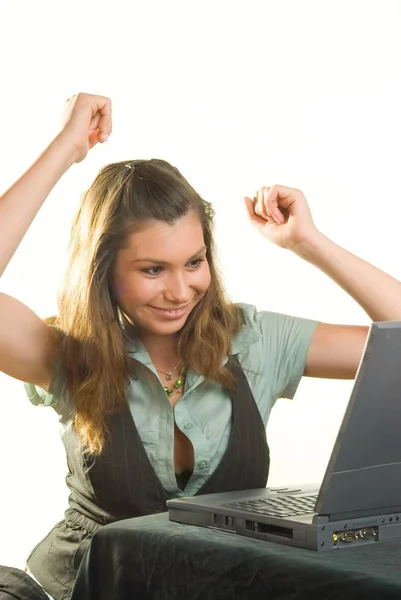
(359, 500)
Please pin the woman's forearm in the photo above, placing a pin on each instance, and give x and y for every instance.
(20, 204)
(376, 292)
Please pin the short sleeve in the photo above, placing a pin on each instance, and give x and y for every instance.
(40, 397)
(280, 349)
(294, 338)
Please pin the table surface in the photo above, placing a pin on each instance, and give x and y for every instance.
(152, 558)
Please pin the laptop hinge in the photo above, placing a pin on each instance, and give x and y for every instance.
(357, 514)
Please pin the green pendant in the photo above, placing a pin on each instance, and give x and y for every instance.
(177, 384)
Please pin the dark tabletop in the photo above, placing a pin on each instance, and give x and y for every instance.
(151, 558)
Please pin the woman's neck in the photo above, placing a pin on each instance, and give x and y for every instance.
(162, 350)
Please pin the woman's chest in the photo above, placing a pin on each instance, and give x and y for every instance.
(188, 434)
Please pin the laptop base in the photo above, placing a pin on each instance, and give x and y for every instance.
(225, 512)
(332, 536)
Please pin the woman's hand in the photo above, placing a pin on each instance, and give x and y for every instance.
(282, 215)
(86, 122)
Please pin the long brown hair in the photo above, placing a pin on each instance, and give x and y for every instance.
(96, 366)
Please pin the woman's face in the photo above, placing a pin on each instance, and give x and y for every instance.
(162, 274)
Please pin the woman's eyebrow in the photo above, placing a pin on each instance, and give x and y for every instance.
(164, 262)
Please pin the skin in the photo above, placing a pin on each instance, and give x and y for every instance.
(28, 346)
(279, 213)
(178, 276)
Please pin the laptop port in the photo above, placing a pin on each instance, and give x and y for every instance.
(269, 529)
(355, 535)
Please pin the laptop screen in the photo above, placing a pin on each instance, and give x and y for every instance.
(364, 471)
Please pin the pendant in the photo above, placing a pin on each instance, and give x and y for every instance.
(178, 384)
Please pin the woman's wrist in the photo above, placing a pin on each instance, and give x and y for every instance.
(313, 247)
(62, 147)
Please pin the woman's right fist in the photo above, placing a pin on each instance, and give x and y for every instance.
(86, 121)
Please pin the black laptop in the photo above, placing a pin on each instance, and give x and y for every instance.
(359, 500)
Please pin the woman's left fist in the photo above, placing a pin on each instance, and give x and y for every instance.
(282, 215)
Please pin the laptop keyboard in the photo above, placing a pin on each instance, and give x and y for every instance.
(283, 506)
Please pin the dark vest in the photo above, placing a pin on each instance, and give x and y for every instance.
(121, 483)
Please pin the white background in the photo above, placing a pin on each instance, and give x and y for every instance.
(238, 95)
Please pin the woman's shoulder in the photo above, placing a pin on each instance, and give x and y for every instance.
(257, 319)
(269, 327)
(273, 347)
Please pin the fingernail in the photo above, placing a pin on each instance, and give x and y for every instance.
(105, 137)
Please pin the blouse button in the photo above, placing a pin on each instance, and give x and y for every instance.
(188, 425)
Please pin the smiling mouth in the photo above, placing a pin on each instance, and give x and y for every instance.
(172, 311)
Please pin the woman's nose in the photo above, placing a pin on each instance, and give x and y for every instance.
(177, 290)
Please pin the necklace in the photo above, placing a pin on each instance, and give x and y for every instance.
(177, 385)
(169, 375)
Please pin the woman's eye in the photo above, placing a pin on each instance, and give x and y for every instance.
(152, 271)
(196, 263)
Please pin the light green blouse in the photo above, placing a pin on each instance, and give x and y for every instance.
(271, 348)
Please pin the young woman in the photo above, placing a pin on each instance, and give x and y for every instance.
(162, 386)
